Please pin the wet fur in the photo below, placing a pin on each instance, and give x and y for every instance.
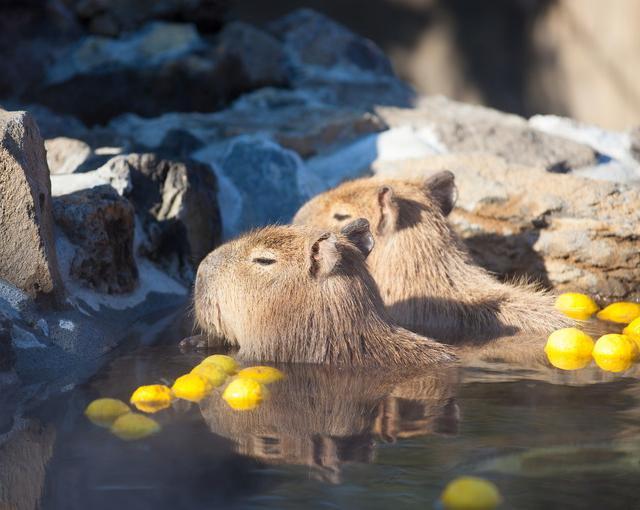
(317, 303)
(425, 275)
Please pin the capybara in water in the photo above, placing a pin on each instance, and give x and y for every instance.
(425, 275)
(300, 294)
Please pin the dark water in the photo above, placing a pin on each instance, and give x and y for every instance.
(331, 438)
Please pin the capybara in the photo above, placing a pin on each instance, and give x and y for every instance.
(302, 294)
(425, 275)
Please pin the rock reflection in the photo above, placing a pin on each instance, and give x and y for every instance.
(326, 417)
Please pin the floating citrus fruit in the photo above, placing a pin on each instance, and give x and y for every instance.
(243, 394)
(212, 372)
(104, 411)
(192, 387)
(623, 312)
(575, 305)
(570, 341)
(633, 331)
(566, 361)
(226, 363)
(152, 398)
(470, 493)
(132, 426)
(264, 375)
(614, 352)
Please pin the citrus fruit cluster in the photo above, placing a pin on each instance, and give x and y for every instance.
(245, 391)
(571, 349)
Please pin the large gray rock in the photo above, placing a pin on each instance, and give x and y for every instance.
(264, 183)
(179, 209)
(464, 128)
(568, 231)
(101, 223)
(27, 252)
(337, 64)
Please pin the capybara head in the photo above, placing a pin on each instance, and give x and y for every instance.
(388, 205)
(301, 294)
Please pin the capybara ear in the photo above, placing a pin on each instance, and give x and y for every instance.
(324, 255)
(388, 210)
(442, 188)
(359, 234)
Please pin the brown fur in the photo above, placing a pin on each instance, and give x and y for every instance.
(299, 294)
(425, 276)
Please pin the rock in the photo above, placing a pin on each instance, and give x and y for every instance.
(64, 155)
(615, 150)
(7, 355)
(116, 172)
(354, 160)
(101, 223)
(116, 16)
(316, 44)
(53, 124)
(27, 251)
(634, 138)
(567, 231)
(178, 205)
(263, 183)
(291, 118)
(261, 55)
(342, 67)
(464, 128)
(140, 72)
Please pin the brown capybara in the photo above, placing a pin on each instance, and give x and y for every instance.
(425, 276)
(300, 294)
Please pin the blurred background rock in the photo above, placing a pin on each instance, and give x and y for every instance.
(576, 58)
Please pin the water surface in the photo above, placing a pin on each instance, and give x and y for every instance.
(334, 438)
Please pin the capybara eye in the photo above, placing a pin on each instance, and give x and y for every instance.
(264, 261)
(341, 217)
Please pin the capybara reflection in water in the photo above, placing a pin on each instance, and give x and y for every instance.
(425, 275)
(302, 294)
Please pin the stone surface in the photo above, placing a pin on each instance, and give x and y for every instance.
(116, 172)
(115, 16)
(291, 118)
(64, 155)
(140, 72)
(567, 231)
(7, 355)
(615, 150)
(464, 128)
(178, 206)
(634, 138)
(259, 180)
(101, 223)
(27, 253)
(337, 64)
(260, 55)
